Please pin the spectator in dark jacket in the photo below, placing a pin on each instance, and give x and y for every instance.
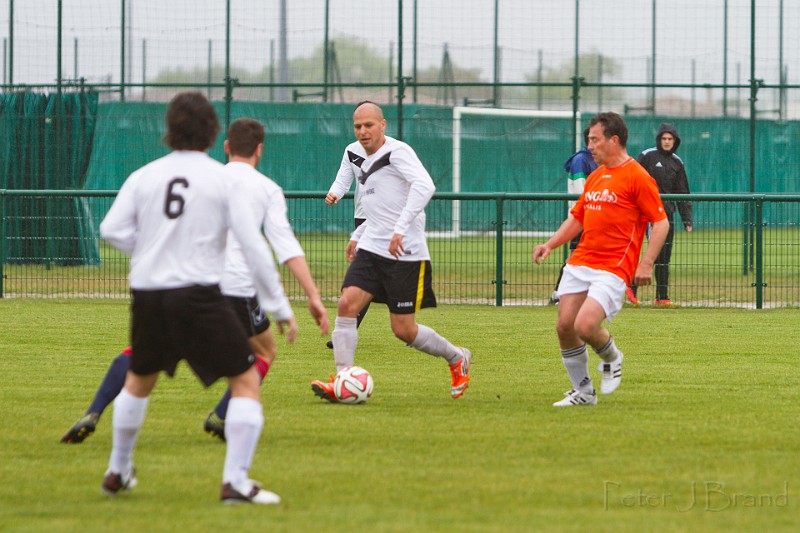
(667, 169)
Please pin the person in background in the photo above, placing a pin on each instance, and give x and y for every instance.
(662, 162)
(388, 253)
(349, 170)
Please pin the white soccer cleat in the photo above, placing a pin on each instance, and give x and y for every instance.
(612, 375)
(247, 492)
(575, 397)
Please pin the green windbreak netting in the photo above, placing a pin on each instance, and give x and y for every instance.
(305, 143)
(493, 150)
(47, 143)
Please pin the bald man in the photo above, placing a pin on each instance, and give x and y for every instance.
(388, 253)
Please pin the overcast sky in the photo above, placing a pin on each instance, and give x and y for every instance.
(176, 33)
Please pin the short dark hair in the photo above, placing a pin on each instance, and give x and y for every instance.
(612, 125)
(244, 136)
(362, 102)
(192, 123)
(586, 135)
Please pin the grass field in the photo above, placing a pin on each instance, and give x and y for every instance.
(701, 436)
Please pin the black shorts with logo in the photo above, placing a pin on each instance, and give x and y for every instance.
(249, 312)
(193, 323)
(404, 286)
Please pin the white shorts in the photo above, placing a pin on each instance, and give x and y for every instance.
(605, 288)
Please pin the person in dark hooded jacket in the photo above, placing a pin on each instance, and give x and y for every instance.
(667, 169)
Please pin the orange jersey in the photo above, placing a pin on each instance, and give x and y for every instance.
(614, 209)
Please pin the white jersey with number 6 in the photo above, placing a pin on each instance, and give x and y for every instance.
(172, 217)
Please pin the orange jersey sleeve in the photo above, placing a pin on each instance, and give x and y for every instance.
(614, 209)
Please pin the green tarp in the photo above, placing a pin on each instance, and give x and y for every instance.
(47, 143)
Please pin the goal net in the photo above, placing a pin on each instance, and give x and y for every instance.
(504, 150)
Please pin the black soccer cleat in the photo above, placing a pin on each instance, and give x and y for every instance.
(215, 426)
(81, 430)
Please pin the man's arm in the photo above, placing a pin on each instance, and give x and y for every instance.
(658, 235)
(421, 187)
(284, 243)
(565, 233)
(685, 208)
(118, 227)
(244, 224)
(344, 178)
(350, 251)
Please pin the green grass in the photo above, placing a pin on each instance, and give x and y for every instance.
(708, 404)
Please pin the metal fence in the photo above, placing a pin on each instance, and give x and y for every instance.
(744, 253)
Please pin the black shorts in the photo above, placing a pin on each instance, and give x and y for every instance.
(404, 286)
(193, 323)
(254, 320)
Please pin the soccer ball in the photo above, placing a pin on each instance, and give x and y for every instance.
(353, 385)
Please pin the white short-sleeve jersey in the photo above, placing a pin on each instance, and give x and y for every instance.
(349, 170)
(268, 203)
(395, 188)
(172, 217)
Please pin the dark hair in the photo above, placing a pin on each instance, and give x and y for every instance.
(244, 136)
(192, 123)
(586, 135)
(612, 125)
(362, 102)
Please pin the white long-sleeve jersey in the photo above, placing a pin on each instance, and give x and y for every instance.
(172, 217)
(395, 188)
(267, 202)
(349, 170)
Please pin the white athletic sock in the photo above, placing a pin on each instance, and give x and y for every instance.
(243, 425)
(576, 361)
(430, 342)
(609, 353)
(128, 417)
(345, 341)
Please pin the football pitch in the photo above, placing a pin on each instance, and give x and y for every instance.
(702, 435)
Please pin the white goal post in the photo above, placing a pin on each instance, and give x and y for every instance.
(459, 112)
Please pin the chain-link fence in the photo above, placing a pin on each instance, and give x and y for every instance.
(746, 253)
(676, 58)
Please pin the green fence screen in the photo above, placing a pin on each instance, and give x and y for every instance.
(46, 144)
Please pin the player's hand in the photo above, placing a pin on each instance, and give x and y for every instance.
(540, 253)
(644, 274)
(396, 245)
(331, 199)
(320, 314)
(350, 251)
(288, 328)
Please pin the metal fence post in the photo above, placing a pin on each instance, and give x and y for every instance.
(2, 238)
(499, 281)
(746, 241)
(759, 230)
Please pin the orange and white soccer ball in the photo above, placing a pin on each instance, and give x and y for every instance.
(353, 385)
